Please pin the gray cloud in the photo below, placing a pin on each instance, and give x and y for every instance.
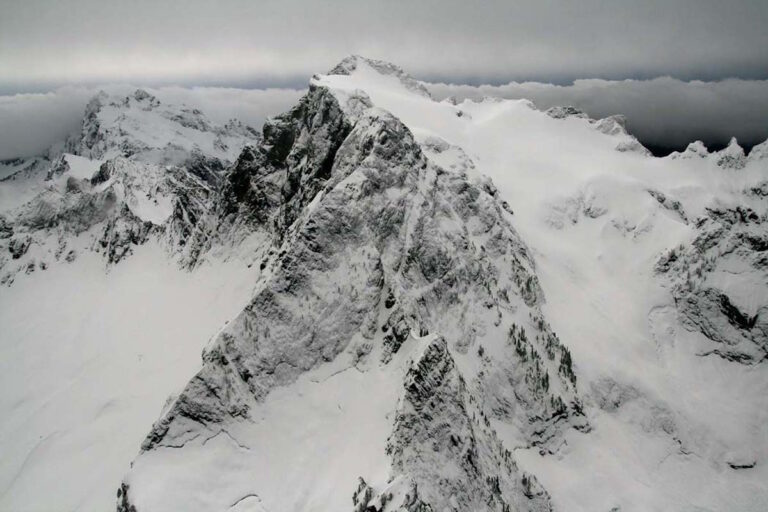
(31, 123)
(663, 112)
(45, 44)
(278, 42)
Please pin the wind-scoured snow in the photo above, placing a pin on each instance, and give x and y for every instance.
(597, 225)
(428, 305)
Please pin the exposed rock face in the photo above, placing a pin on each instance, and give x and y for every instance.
(730, 241)
(289, 168)
(351, 199)
(444, 452)
(566, 112)
(269, 183)
(19, 246)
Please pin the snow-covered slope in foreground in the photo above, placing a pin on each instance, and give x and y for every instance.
(88, 360)
(399, 351)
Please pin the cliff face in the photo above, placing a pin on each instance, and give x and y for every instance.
(375, 244)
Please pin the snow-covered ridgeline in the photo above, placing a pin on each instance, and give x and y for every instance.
(599, 222)
(137, 169)
(391, 247)
(456, 306)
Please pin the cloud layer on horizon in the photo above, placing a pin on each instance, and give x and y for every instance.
(663, 112)
(32, 123)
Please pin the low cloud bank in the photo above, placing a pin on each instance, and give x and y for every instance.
(32, 123)
(664, 113)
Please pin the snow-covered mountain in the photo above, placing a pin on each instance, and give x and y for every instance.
(100, 321)
(136, 167)
(431, 306)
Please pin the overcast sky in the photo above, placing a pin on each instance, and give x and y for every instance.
(48, 44)
(280, 42)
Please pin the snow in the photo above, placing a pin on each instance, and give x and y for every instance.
(81, 167)
(89, 358)
(142, 188)
(331, 426)
(20, 181)
(335, 429)
(159, 133)
(91, 352)
(585, 210)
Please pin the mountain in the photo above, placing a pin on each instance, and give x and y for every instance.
(430, 306)
(100, 321)
(137, 167)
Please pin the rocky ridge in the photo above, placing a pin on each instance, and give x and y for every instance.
(136, 169)
(373, 243)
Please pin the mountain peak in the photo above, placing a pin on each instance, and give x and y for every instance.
(143, 98)
(732, 157)
(358, 64)
(137, 125)
(141, 94)
(759, 152)
(563, 112)
(392, 271)
(696, 149)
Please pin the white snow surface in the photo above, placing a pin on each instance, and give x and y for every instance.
(89, 357)
(584, 209)
(21, 180)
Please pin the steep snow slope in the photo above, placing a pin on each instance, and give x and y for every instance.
(669, 422)
(650, 270)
